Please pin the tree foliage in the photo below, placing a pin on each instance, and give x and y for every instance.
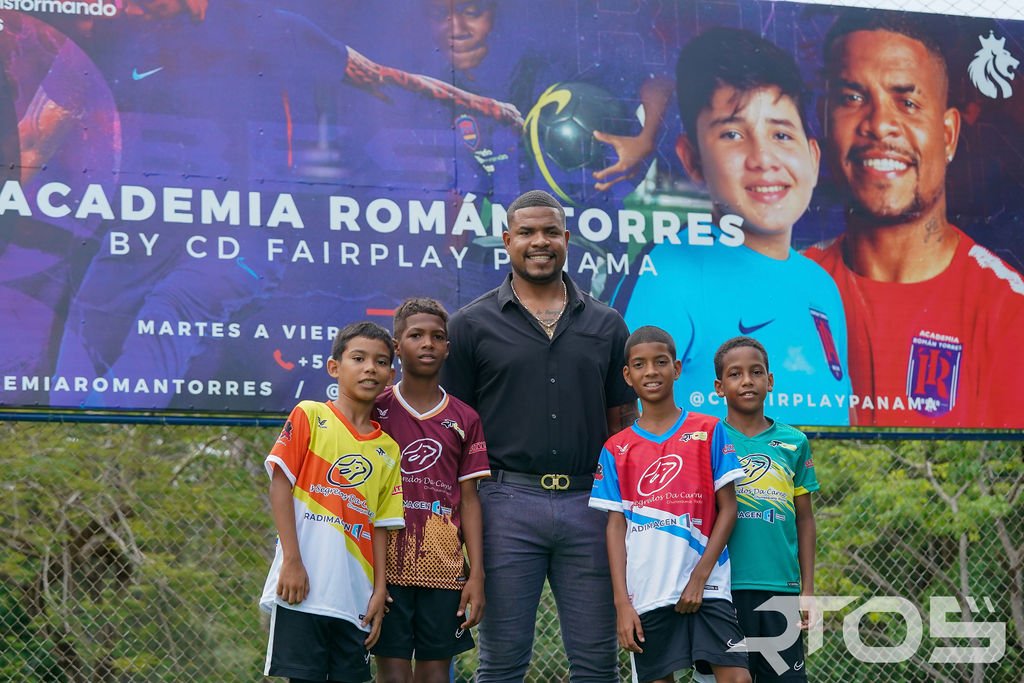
(917, 519)
(131, 552)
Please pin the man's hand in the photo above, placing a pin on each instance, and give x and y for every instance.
(374, 616)
(472, 603)
(629, 628)
(293, 583)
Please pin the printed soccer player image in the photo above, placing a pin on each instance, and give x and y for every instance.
(929, 311)
(742, 103)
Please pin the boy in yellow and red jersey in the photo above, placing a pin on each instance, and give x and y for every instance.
(335, 489)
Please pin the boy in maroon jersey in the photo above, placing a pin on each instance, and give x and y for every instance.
(435, 596)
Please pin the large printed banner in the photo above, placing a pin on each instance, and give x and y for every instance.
(196, 194)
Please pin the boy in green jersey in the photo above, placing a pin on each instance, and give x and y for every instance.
(773, 543)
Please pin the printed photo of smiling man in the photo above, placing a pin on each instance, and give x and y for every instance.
(926, 306)
(742, 101)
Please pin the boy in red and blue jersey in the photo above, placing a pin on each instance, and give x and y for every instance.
(667, 484)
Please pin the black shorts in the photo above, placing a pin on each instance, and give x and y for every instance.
(315, 647)
(674, 641)
(768, 624)
(421, 624)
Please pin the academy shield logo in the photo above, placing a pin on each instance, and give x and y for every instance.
(933, 373)
(828, 343)
(468, 131)
(350, 471)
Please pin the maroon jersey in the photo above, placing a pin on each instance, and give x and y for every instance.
(440, 449)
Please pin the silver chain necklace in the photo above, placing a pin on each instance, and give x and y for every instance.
(548, 327)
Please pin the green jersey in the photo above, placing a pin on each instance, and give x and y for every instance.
(763, 546)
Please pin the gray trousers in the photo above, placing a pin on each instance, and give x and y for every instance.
(531, 534)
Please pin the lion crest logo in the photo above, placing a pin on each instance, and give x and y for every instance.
(993, 67)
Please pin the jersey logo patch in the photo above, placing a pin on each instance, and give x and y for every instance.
(349, 471)
(421, 454)
(695, 436)
(933, 373)
(454, 426)
(623, 448)
(782, 444)
(660, 474)
(828, 343)
(382, 413)
(321, 422)
(286, 433)
(751, 329)
(755, 465)
(687, 521)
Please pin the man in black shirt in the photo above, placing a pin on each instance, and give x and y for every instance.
(542, 364)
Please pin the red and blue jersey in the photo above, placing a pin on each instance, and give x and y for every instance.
(665, 486)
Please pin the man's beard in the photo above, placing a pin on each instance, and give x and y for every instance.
(555, 275)
(888, 215)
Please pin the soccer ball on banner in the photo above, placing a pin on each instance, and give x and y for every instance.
(559, 135)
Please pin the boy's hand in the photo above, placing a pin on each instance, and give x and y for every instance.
(629, 628)
(374, 616)
(692, 597)
(472, 603)
(631, 151)
(293, 583)
(809, 614)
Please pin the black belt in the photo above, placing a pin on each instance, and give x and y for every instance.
(548, 482)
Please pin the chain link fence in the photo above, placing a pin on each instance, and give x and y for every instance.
(1003, 9)
(137, 553)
